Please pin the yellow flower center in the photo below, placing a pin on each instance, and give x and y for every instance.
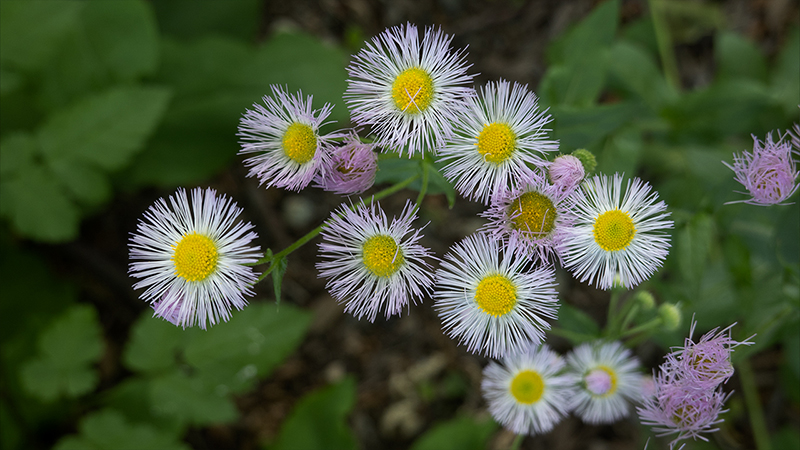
(412, 90)
(601, 381)
(496, 142)
(613, 230)
(496, 295)
(195, 257)
(527, 387)
(533, 213)
(300, 143)
(381, 255)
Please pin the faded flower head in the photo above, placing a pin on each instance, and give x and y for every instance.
(769, 173)
(350, 169)
(566, 172)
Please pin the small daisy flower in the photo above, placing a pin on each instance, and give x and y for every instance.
(769, 173)
(351, 168)
(531, 217)
(191, 257)
(566, 172)
(495, 141)
(489, 300)
(608, 380)
(677, 409)
(527, 393)
(616, 234)
(284, 137)
(409, 92)
(372, 265)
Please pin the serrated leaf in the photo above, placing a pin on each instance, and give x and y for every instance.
(108, 429)
(191, 399)
(31, 31)
(66, 350)
(319, 420)
(106, 129)
(277, 277)
(461, 433)
(124, 36)
(153, 345)
(37, 207)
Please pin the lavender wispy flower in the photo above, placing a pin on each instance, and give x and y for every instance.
(769, 173)
(350, 169)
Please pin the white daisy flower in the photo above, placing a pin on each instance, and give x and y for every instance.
(372, 265)
(495, 141)
(409, 92)
(607, 379)
(191, 258)
(527, 393)
(489, 300)
(532, 217)
(615, 234)
(284, 136)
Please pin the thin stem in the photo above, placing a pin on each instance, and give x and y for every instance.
(424, 187)
(665, 49)
(313, 233)
(518, 442)
(611, 316)
(754, 411)
(643, 327)
(632, 312)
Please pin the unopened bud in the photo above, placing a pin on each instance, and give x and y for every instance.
(645, 300)
(587, 159)
(671, 315)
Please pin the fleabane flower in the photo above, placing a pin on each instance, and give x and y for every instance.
(532, 217)
(489, 299)
(283, 136)
(495, 140)
(566, 172)
(769, 173)
(616, 233)
(408, 92)
(528, 392)
(350, 169)
(191, 257)
(372, 265)
(607, 381)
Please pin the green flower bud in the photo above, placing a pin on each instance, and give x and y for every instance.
(645, 300)
(587, 159)
(671, 315)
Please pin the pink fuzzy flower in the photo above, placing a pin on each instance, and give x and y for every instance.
(566, 172)
(351, 168)
(768, 173)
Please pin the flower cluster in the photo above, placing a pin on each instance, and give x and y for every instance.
(688, 398)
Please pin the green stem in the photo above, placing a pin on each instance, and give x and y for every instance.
(632, 311)
(611, 316)
(665, 48)
(424, 187)
(517, 442)
(641, 328)
(313, 233)
(754, 411)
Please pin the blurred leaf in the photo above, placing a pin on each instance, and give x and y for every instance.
(784, 86)
(641, 32)
(639, 75)
(621, 153)
(153, 345)
(191, 19)
(737, 57)
(11, 437)
(787, 235)
(583, 128)
(124, 36)
(37, 207)
(17, 151)
(31, 31)
(578, 84)
(573, 319)
(66, 349)
(319, 420)
(693, 247)
(131, 397)
(9, 81)
(461, 433)
(108, 429)
(85, 183)
(689, 20)
(105, 129)
(277, 277)
(250, 345)
(586, 39)
(787, 438)
(191, 399)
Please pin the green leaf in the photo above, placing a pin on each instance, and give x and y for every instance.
(689, 20)
(439, 184)
(17, 151)
(573, 319)
(191, 399)
(132, 398)
(787, 243)
(392, 168)
(737, 57)
(37, 206)
(319, 420)
(621, 153)
(123, 34)
(108, 429)
(190, 19)
(693, 247)
(31, 31)
(639, 75)
(85, 183)
(586, 39)
(277, 277)
(584, 128)
(153, 345)
(66, 350)
(578, 84)
(783, 78)
(105, 129)
(461, 433)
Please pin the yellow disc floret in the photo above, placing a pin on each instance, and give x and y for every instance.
(613, 230)
(300, 143)
(496, 142)
(527, 387)
(533, 213)
(381, 255)
(412, 90)
(496, 295)
(195, 257)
